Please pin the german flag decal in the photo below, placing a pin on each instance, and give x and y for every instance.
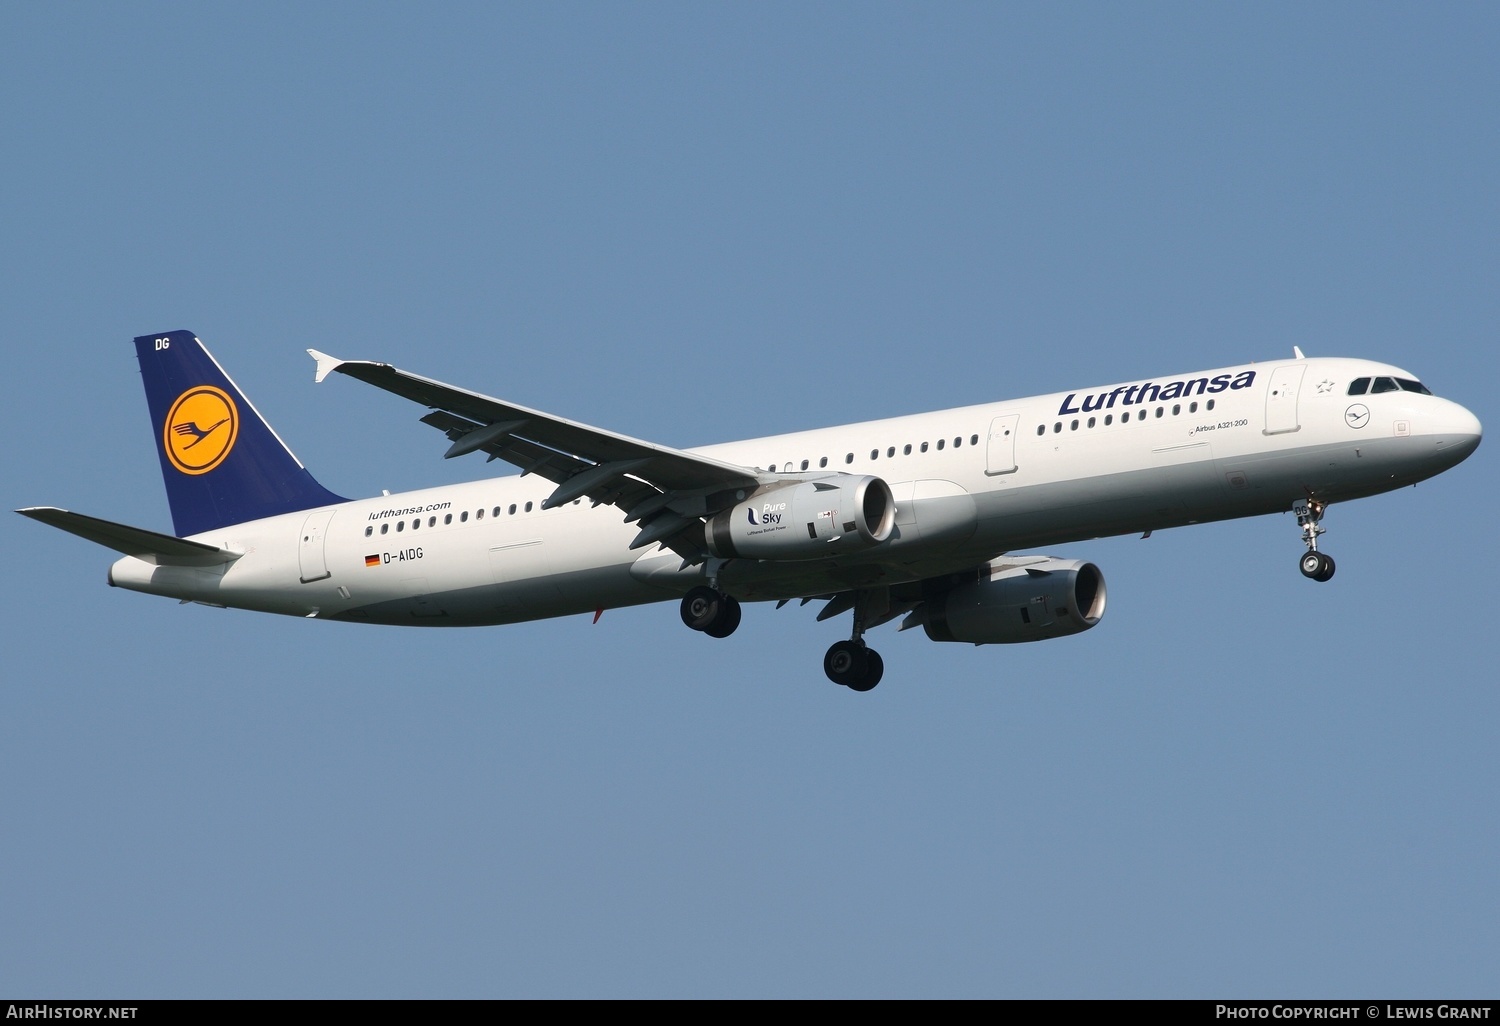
(372, 560)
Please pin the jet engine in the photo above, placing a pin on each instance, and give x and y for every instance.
(1009, 604)
(808, 520)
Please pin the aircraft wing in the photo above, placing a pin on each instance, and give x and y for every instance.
(667, 490)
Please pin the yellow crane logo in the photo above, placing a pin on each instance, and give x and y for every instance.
(200, 429)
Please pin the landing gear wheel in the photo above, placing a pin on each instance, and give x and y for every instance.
(874, 670)
(729, 619)
(700, 608)
(853, 665)
(710, 611)
(845, 661)
(1317, 566)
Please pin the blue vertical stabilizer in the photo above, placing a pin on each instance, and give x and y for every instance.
(221, 461)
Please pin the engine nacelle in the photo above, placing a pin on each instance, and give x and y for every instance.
(808, 520)
(1051, 599)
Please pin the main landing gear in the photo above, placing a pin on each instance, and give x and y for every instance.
(850, 663)
(854, 665)
(1315, 565)
(711, 611)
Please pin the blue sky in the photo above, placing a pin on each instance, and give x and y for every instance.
(692, 223)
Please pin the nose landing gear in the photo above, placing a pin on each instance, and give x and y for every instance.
(1315, 565)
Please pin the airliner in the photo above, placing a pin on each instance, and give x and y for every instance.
(919, 518)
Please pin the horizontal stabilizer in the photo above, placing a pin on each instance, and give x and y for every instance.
(161, 549)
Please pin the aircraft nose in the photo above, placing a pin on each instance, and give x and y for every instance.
(1459, 431)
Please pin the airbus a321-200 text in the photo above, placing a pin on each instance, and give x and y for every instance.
(916, 518)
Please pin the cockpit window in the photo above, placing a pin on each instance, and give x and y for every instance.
(1408, 385)
(1359, 386)
(1385, 385)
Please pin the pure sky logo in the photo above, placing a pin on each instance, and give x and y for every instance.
(1150, 392)
(770, 514)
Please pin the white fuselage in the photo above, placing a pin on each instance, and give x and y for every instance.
(969, 484)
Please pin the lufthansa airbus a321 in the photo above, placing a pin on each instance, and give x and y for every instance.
(915, 518)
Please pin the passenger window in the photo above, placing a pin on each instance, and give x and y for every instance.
(1057, 428)
(1125, 417)
(1192, 407)
(874, 454)
(1041, 429)
(432, 521)
(1359, 386)
(1073, 426)
(1209, 405)
(384, 528)
(447, 519)
(400, 526)
(906, 450)
(973, 439)
(479, 514)
(512, 509)
(1109, 418)
(823, 461)
(528, 507)
(369, 531)
(804, 464)
(924, 446)
(416, 523)
(495, 512)
(1176, 409)
(1159, 412)
(463, 518)
(1091, 422)
(890, 453)
(940, 443)
(849, 458)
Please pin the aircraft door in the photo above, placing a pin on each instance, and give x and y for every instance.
(1281, 399)
(310, 550)
(1001, 457)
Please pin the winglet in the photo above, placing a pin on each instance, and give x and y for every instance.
(326, 365)
(1298, 350)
